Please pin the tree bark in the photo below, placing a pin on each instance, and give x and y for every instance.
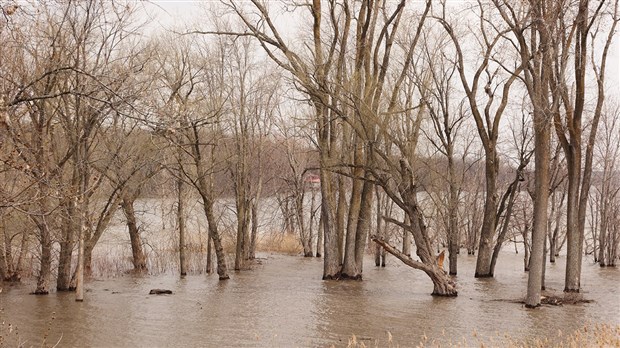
(349, 270)
(46, 253)
(489, 222)
(209, 268)
(63, 281)
(181, 224)
(139, 259)
(363, 225)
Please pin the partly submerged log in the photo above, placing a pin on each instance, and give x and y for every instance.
(160, 292)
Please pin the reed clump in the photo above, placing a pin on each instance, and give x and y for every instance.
(283, 243)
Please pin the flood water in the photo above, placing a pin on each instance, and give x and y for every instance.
(284, 303)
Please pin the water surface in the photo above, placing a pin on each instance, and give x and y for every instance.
(284, 303)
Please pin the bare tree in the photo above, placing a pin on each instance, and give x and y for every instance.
(498, 78)
(608, 188)
(192, 96)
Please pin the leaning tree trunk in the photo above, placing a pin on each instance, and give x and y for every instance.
(139, 259)
(214, 235)
(443, 285)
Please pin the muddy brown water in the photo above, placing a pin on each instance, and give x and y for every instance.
(284, 303)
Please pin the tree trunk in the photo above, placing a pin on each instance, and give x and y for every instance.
(544, 267)
(242, 227)
(4, 245)
(574, 245)
(63, 281)
(339, 222)
(542, 150)
(139, 259)
(254, 230)
(505, 224)
(102, 224)
(209, 268)
(222, 269)
(319, 238)
(363, 226)
(349, 270)
(181, 224)
(379, 228)
(453, 205)
(79, 284)
(406, 242)
(46, 257)
(602, 238)
(489, 221)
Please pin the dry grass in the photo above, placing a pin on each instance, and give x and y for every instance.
(111, 261)
(599, 336)
(283, 243)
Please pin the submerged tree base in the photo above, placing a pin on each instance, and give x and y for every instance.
(571, 291)
(551, 299)
(452, 294)
(69, 289)
(344, 276)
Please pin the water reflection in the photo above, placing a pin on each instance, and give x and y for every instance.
(283, 303)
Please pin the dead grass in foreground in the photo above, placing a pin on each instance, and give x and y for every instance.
(599, 336)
